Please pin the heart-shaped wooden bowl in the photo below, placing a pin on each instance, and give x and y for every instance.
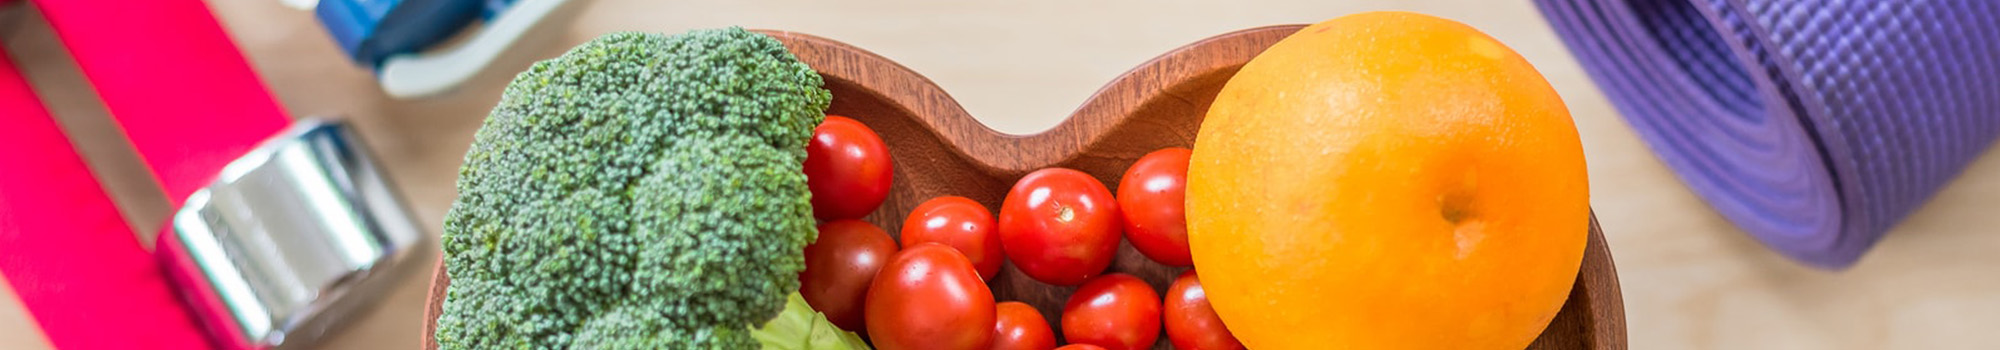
(940, 150)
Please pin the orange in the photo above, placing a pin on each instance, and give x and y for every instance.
(1387, 181)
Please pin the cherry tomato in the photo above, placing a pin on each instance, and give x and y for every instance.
(1080, 347)
(929, 297)
(840, 266)
(1116, 311)
(1021, 327)
(1060, 226)
(1191, 323)
(1153, 197)
(960, 223)
(847, 168)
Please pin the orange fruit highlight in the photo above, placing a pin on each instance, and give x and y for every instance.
(1387, 180)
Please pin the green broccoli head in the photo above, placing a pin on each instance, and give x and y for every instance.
(640, 191)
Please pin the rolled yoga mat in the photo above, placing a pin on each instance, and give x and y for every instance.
(1813, 125)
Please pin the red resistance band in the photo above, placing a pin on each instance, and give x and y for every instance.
(65, 250)
(190, 104)
(173, 80)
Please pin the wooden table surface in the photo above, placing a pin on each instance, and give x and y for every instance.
(1691, 280)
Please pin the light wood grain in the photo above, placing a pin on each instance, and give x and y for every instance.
(940, 150)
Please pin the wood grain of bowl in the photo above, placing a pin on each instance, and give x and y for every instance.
(941, 150)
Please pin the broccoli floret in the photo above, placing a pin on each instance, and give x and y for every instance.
(641, 191)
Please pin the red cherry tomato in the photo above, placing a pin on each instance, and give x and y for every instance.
(960, 223)
(928, 297)
(1080, 347)
(1116, 311)
(1021, 327)
(847, 168)
(1191, 323)
(840, 266)
(1153, 197)
(1059, 226)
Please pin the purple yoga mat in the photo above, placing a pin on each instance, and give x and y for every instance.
(1813, 125)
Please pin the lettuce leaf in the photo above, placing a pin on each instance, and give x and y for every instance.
(800, 327)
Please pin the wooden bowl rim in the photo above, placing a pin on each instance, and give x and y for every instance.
(1094, 118)
(1603, 301)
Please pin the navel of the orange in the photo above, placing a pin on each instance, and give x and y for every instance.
(1387, 180)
